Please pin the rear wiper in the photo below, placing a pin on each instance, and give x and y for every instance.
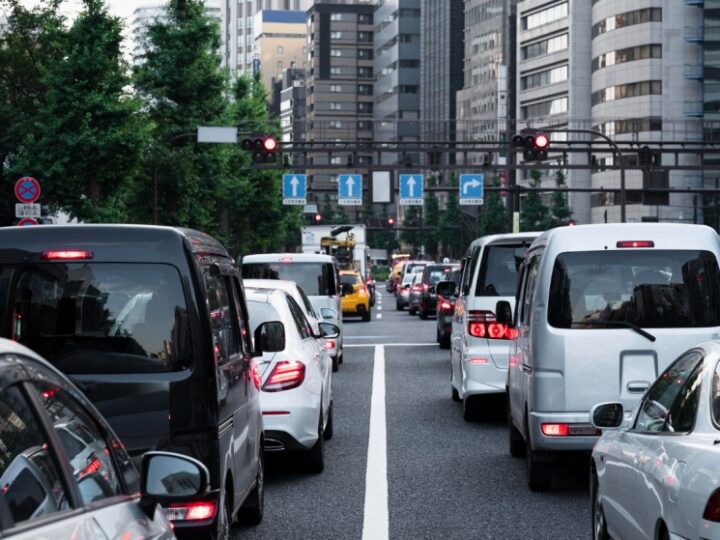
(625, 324)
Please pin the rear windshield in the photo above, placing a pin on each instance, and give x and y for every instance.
(652, 289)
(498, 271)
(261, 312)
(91, 318)
(349, 279)
(435, 274)
(315, 278)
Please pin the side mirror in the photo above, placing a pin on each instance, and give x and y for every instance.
(329, 330)
(269, 337)
(503, 312)
(328, 313)
(445, 288)
(607, 415)
(168, 477)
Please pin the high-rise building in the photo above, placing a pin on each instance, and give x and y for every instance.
(280, 40)
(442, 55)
(647, 85)
(553, 83)
(340, 83)
(291, 106)
(238, 36)
(396, 110)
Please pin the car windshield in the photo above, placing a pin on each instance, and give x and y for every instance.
(315, 278)
(99, 317)
(498, 271)
(651, 289)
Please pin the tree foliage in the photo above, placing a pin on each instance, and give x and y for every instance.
(533, 213)
(494, 217)
(412, 220)
(431, 219)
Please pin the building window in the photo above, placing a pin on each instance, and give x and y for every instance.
(365, 89)
(550, 107)
(335, 35)
(280, 64)
(280, 49)
(622, 91)
(365, 18)
(626, 55)
(336, 52)
(546, 46)
(365, 54)
(631, 125)
(335, 88)
(544, 78)
(545, 16)
(334, 106)
(334, 70)
(336, 17)
(629, 18)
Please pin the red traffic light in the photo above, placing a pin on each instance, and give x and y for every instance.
(390, 221)
(318, 218)
(270, 144)
(542, 141)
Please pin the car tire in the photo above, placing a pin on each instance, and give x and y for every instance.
(471, 408)
(398, 306)
(340, 358)
(329, 426)
(315, 457)
(253, 508)
(599, 524)
(335, 364)
(423, 314)
(539, 473)
(516, 443)
(444, 342)
(367, 316)
(455, 394)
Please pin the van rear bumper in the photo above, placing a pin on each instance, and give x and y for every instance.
(570, 443)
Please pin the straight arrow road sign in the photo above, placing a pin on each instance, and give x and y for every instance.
(412, 189)
(472, 189)
(350, 188)
(295, 189)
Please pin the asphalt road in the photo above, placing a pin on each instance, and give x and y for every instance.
(446, 478)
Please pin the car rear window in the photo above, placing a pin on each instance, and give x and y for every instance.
(498, 271)
(99, 318)
(315, 278)
(435, 274)
(648, 288)
(349, 279)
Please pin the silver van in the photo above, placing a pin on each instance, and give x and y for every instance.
(479, 346)
(601, 311)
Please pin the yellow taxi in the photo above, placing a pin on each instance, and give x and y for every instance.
(355, 295)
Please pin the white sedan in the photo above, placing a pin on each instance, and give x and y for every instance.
(296, 383)
(655, 473)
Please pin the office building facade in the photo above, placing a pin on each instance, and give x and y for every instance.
(280, 41)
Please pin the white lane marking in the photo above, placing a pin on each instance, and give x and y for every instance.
(376, 521)
(378, 316)
(358, 345)
(379, 308)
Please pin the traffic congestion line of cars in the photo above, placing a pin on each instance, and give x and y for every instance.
(148, 333)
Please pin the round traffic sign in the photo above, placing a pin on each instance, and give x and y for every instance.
(27, 190)
(27, 221)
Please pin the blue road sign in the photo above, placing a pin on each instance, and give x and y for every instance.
(472, 188)
(294, 189)
(412, 189)
(350, 188)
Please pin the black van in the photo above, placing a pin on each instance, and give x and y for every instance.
(151, 323)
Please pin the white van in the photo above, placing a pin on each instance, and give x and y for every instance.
(601, 311)
(479, 347)
(316, 274)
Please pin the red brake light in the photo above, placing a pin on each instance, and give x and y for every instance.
(329, 345)
(425, 287)
(286, 259)
(712, 509)
(445, 305)
(477, 329)
(92, 467)
(193, 511)
(285, 376)
(555, 430)
(496, 330)
(65, 255)
(482, 324)
(257, 379)
(635, 244)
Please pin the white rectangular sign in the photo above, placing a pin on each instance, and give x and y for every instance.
(381, 187)
(310, 209)
(27, 210)
(217, 135)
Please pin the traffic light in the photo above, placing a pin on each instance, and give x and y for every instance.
(390, 221)
(534, 145)
(318, 218)
(263, 147)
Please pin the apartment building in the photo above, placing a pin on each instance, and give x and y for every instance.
(280, 40)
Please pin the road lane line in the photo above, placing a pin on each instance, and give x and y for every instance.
(378, 316)
(379, 308)
(376, 522)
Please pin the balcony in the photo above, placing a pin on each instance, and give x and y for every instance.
(694, 34)
(693, 71)
(693, 109)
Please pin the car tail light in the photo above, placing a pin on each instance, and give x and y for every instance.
(67, 255)
(286, 259)
(425, 287)
(193, 511)
(478, 361)
(285, 376)
(635, 244)
(482, 324)
(329, 345)
(362, 289)
(92, 467)
(415, 288)
(445, 305)
(555, 430)
(712, 508)
(256, 377)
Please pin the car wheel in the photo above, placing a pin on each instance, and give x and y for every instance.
(599, 525)
(252, 510)
(329, 427)
(423, 314)
(315, 457)
(367, 316)
(340, 357)
(516, 443)
(471, 408)
(455, 394)
(398, 306)
(539, 473)
(335, 363)
(444, 342)
(411, 310)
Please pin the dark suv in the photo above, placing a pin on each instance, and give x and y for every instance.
(424, 299)
(151, 323)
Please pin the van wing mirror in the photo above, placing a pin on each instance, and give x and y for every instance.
(445, 288)
(607, 415)
(503, 312)
(269, 337)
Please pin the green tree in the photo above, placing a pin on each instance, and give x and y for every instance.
(560, 212)
(88, 137)
(533, 214)
(494, 216)
(326, 209)
(456, 230)
(412, 220)
(385, 239)
(431, 219)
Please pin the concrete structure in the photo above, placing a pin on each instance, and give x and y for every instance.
(553, 49)
(292, 107)
(339, 83)
(238, 36)
(396, 67)
(647, 85)
(441, 70)
(280, 39)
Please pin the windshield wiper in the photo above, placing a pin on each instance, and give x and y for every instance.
(625, 324)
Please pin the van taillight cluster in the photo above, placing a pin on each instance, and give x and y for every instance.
(285, 376)
(635, 244)
(482, 324)
(712, 509)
